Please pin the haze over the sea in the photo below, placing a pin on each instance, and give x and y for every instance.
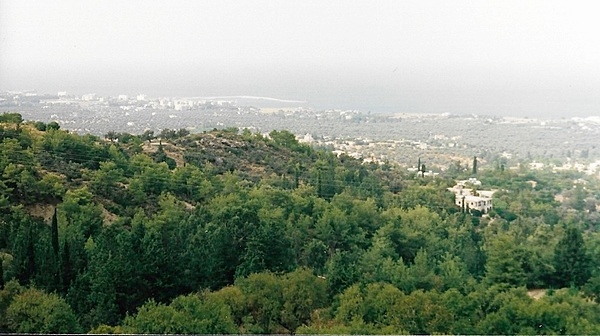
(511, 58)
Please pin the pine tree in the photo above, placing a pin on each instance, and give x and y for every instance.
(475, 165)
(505, 261)
(571, 261)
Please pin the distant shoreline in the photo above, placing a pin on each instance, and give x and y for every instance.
(270, 103)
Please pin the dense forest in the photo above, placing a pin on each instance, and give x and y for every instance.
(233, 232)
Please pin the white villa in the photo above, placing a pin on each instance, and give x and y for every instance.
(468, 199)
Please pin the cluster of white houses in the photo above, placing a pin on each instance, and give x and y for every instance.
(471, 199)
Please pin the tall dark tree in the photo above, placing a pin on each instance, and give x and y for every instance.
(571, 261)
(56, 252)
(297, 170)
(1, 275)
(66, 268)
(475, 165)
(55, 234)
(30, 266)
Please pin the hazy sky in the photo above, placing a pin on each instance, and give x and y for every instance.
(536, 58)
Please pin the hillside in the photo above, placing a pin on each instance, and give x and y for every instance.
(234, 232)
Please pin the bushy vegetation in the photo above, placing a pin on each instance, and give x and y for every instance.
(228, 232)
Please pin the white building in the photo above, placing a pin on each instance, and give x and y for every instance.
(472, 181)
(483, 204)
(468, 199)
(536, 165)
(307, 138)
(89, 97)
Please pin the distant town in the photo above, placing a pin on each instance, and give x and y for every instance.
(441, 141)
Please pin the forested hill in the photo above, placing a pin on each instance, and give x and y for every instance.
(234, 232)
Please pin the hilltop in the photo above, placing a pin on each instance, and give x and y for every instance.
(441, 139)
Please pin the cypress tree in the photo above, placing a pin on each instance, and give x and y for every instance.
(66, 268)
(55, 234)
(296, 175)
(475, 165)
(1, 275)
(319, 186)
(56, 250)
(30, 266)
